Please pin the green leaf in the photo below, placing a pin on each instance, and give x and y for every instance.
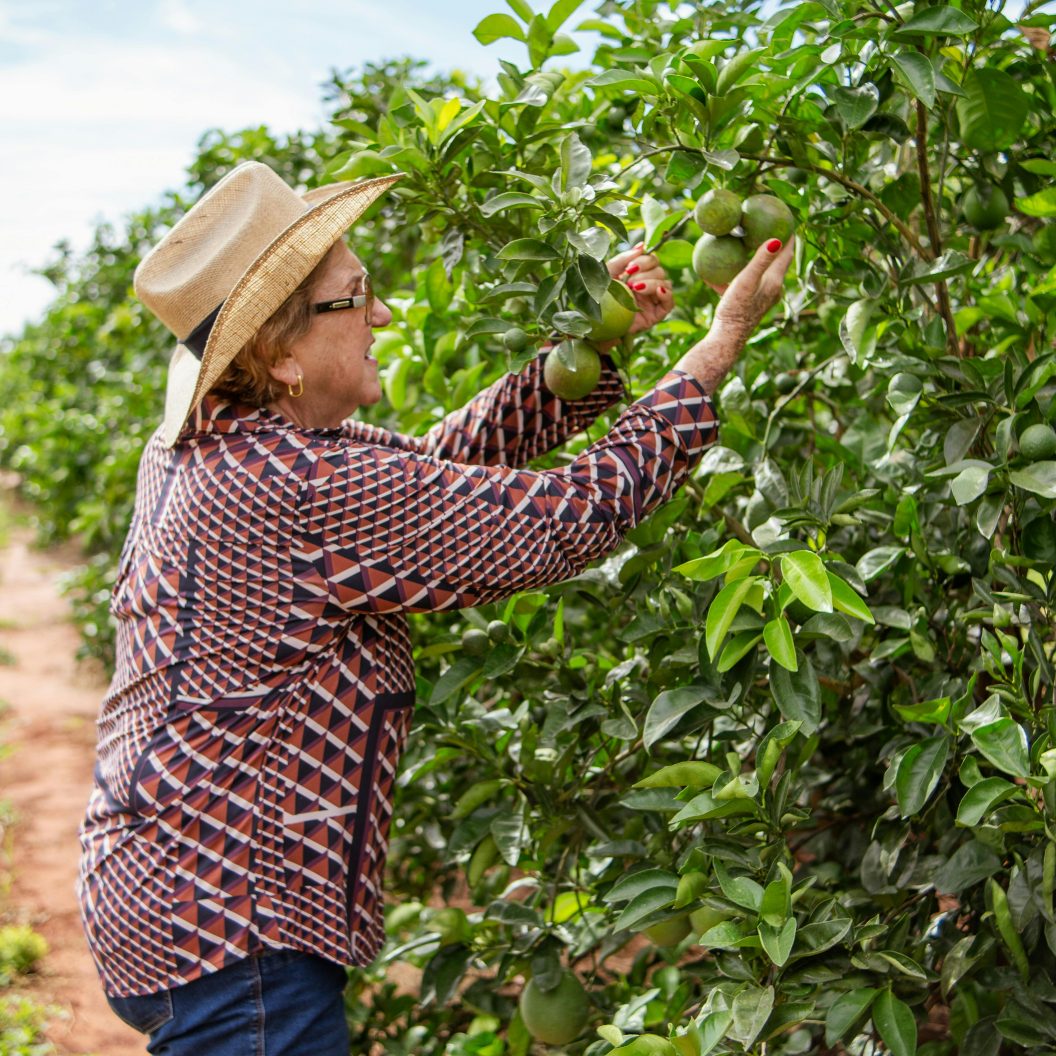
(718, 563)
(668, 709)
(805, 574)
(736, 648)
(938, 21)
(903, 392)
(847, 599)
(992, 111)
(856, 105)
(970, 863)
(522, 8)
(437, 287)
(1004, 743)
(981, 798)
(741, 890)
(855, 335)
(1038, 478)
(496, 27)
(877, 561)
(633, 82)
(776, 905)
(692, 773)
(459, 674)
(576, 163)
(528, 249)
(949, 264)
(777, 941)
(509, 200)
(751, 1009)
(643, 905)
(845, 1012)
(894, 1020)
(560, 13)
(918, 74)
(633, 884)
(722, 611)
(778, 637)
(919, 772)
(798, 695)
(969, 484)
(937, 710)
(511, 833)
(713, 1029)
(1041, 204)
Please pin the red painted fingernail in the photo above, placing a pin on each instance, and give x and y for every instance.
(632, 269)
(773, 245)
(663, 289)
(637, 285)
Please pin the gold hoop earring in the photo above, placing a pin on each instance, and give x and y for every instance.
(300, 386)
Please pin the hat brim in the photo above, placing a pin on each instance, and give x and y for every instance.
(262, 289)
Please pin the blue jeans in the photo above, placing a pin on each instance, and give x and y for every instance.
(280, 1003)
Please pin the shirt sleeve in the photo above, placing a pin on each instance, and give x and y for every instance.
(509, 423)
(385, 530)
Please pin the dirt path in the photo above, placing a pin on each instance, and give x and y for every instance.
(50, 728)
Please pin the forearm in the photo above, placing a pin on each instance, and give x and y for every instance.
(709, 361)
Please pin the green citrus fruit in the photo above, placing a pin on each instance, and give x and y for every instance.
(669, 932)
(718, 259)
(985, 206)
(718, 212)
(764, 217)
(555, 1016)
(475, 642)
(704, 919)
(1039, 540)
(573, 384)
(1038, 442)
(616, 319)
(498, 631)
(515, 340)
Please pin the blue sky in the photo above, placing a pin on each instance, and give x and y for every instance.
(102, 101)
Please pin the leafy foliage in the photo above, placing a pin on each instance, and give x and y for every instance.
(810, 701)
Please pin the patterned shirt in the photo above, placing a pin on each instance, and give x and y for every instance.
(248, 744)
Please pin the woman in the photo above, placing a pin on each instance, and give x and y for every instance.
(235, 838)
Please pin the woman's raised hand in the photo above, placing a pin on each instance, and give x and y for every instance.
(754, 290)
(641, 273)
(743, 302)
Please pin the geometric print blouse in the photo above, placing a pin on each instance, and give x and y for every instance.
(249, 741)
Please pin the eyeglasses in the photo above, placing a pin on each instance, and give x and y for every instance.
(359, 300)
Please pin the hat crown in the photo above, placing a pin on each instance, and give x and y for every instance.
(200, 261)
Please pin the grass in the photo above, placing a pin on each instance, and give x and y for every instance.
(22, 1025)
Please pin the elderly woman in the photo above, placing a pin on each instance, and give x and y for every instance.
(235, 838)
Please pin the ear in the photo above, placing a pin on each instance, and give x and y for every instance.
(286, 371)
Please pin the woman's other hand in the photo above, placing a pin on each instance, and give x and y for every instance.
(641, 273)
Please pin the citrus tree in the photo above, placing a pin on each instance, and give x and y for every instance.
(793, 741)
(778, 774)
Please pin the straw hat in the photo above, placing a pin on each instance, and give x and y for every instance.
(228, 265)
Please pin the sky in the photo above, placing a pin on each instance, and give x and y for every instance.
(102, 101)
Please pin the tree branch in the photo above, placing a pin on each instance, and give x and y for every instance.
(934, 234)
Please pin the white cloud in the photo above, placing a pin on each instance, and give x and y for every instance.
(178, 16)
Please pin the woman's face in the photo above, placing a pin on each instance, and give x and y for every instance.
(339, 374)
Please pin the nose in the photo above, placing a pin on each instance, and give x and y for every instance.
(380, 314)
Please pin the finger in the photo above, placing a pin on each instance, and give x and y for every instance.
(747, 279)
(618, 263)
(646, 288)
(642, 264)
